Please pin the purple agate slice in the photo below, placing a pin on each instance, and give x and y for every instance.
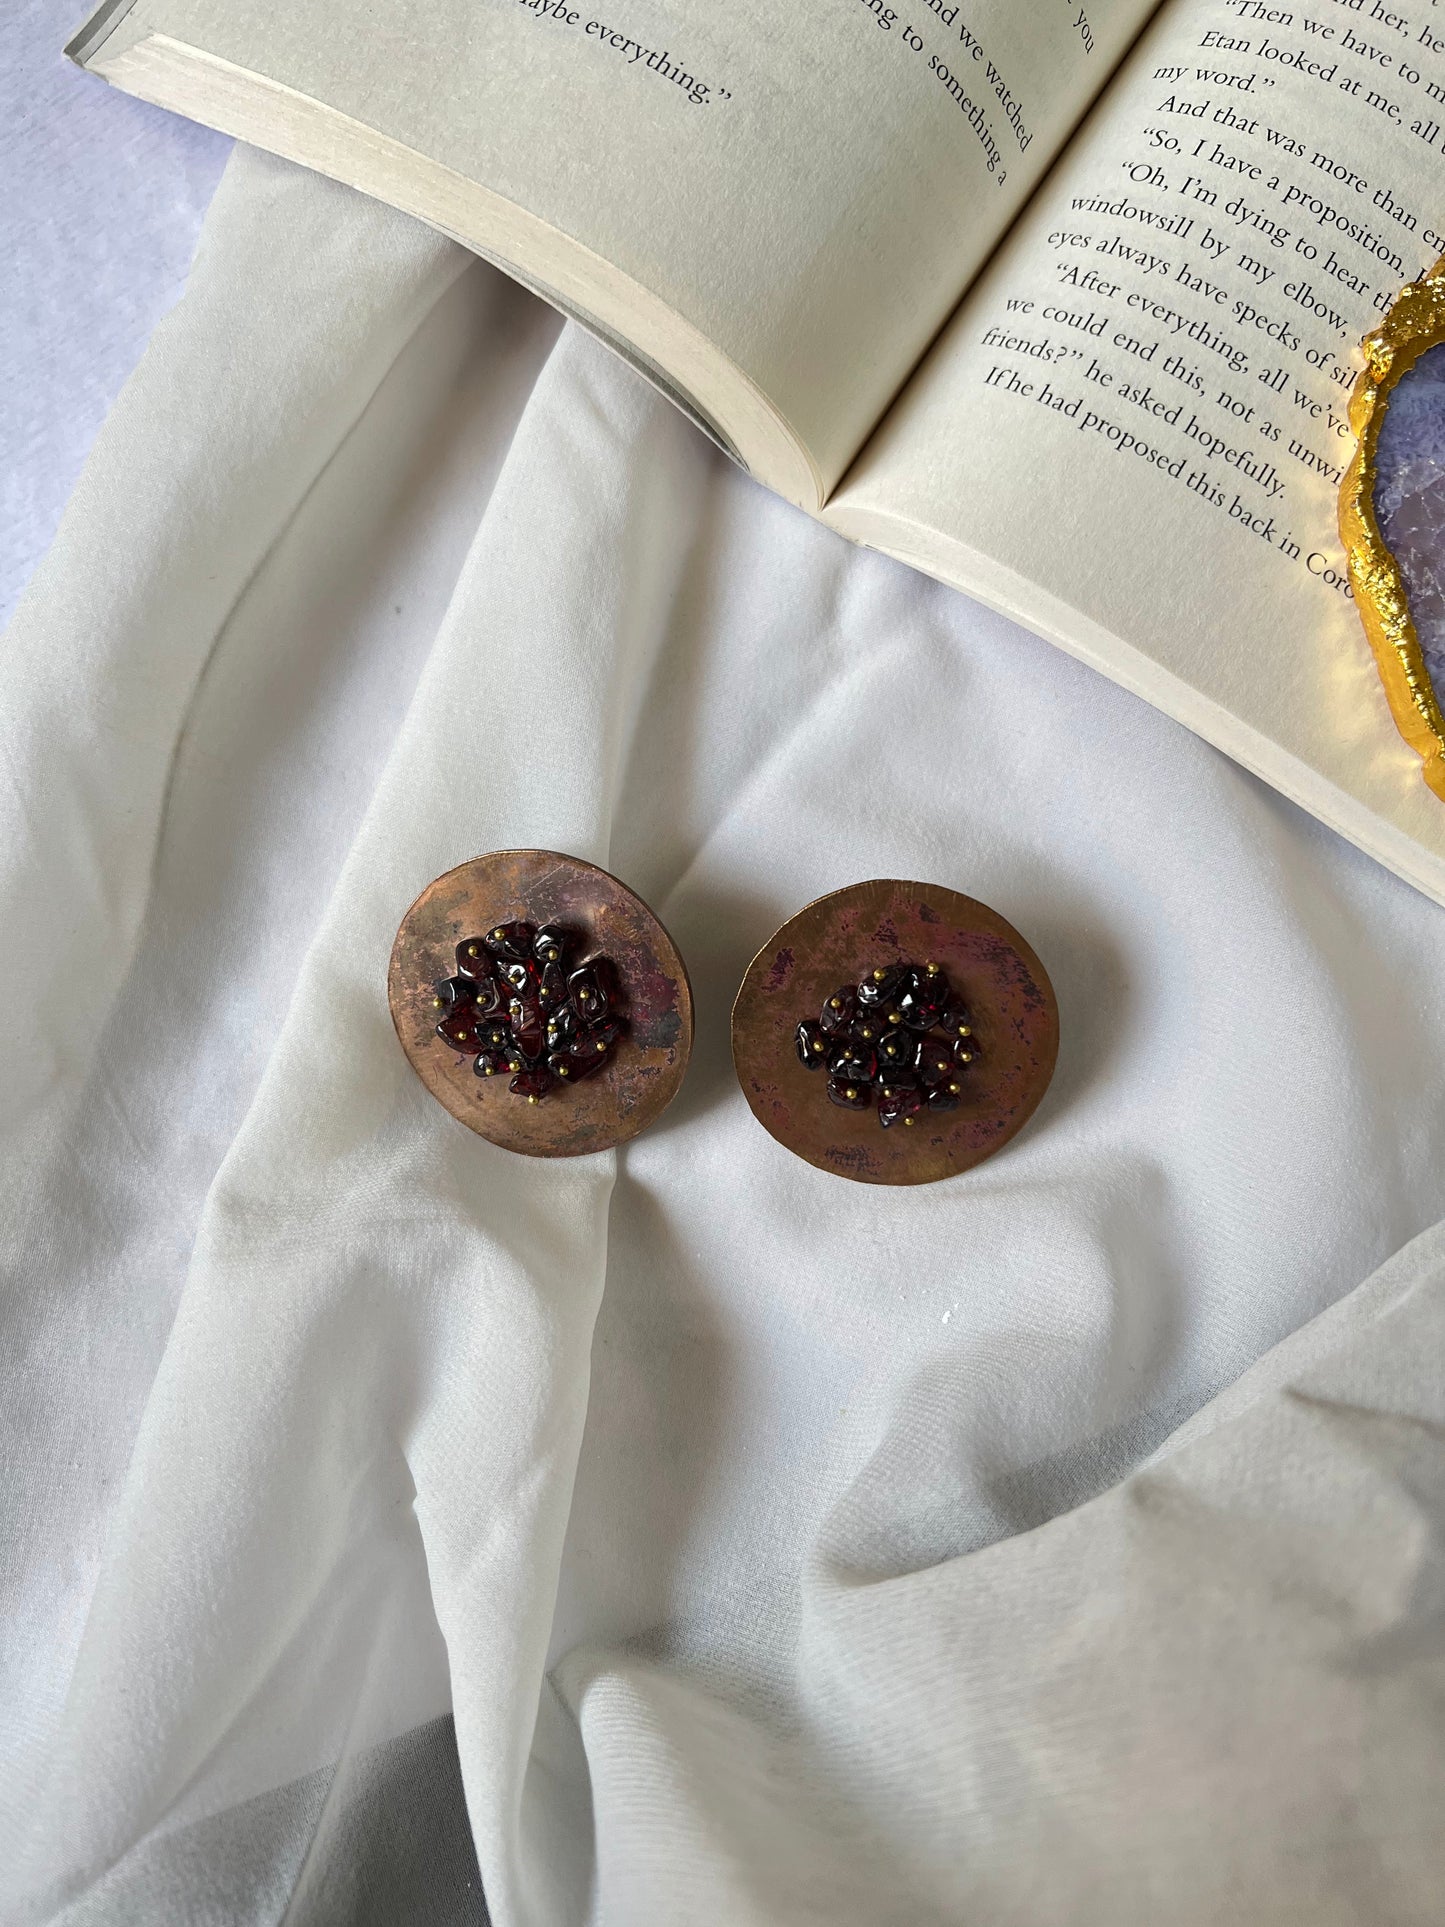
(1410, 498)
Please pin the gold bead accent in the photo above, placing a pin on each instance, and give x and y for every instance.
(879, 975)
(835, 1003)
(965, 1030)
(932, 969)
(895, 1017)
(436, 1003)
(531, 1100)
(909, 1122)
(474, 950)
(850, 1093)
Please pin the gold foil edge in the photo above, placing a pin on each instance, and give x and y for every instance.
(1414, 322)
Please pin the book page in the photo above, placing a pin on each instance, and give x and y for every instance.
(1132, 434)
(809, 187)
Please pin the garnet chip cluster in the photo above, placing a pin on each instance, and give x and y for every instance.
(518, 1004)
(900, 1038)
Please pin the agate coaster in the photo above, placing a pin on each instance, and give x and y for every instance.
(1392, 512)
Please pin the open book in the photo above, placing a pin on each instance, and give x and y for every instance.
(1057, 300)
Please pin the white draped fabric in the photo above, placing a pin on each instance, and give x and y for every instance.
(1058, 1544)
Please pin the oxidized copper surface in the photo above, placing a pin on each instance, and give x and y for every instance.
(543, 887)
(838, 940)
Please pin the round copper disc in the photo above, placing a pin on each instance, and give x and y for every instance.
(839, 940)
(647, 1064)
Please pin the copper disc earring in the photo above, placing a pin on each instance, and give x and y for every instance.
(541, 1002)
(895, 1033)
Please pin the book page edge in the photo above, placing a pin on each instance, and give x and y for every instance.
(89, 38)
(667, 347)
(1058, 622)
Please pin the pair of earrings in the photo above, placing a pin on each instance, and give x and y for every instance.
(892, 1033)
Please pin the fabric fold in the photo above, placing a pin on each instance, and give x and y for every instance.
(783, 1549)
(95, 724)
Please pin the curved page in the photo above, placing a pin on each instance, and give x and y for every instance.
(776, 207)
(1131, 435)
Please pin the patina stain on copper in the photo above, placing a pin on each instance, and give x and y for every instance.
(842, 938)
(644, 1069)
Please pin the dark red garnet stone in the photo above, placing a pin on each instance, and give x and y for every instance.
(515, 1005)
(899, 1039)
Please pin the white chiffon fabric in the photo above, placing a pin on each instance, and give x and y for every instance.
(101, 197)
(1059, 1544)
